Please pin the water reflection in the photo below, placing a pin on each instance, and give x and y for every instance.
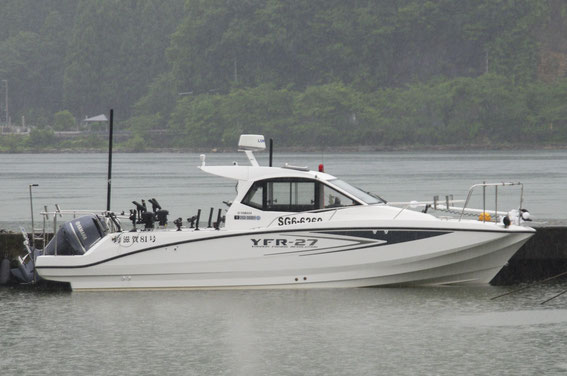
(402, 331)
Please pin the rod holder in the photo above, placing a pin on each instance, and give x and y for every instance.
(217, 224)
(210, 224)
(197, 220)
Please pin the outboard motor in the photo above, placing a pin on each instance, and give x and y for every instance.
(77, 236)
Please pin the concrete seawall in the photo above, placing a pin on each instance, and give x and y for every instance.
(543, 256)
(12, 244)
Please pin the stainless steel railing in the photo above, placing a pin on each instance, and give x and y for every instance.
(484, 186)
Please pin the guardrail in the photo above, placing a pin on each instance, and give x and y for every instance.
(484, 185)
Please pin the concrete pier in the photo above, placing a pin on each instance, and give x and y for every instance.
(543, 256)
(11, 245)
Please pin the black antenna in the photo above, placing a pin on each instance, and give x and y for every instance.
(111, 123)
(271, 150)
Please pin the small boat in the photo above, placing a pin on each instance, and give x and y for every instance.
(287, 227)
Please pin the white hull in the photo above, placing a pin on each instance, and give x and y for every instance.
(340, 257)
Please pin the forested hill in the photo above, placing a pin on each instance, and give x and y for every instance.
(306, 72)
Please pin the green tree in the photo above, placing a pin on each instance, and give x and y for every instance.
(41, 139)
(327, 114)
(33, 39)
(115, 52)
(64, 121)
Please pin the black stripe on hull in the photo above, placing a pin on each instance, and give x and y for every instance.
(362, 239)
(281, 231)
(389, 236)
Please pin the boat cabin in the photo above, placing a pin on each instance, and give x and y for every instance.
(268, 193)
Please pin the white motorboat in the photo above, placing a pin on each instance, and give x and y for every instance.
(288, 227)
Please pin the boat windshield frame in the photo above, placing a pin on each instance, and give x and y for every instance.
(359, 194)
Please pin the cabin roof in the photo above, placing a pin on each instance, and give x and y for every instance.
(253, 173)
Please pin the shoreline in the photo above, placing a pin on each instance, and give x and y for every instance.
(312, 149)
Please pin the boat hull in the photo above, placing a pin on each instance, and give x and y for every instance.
(291, 258)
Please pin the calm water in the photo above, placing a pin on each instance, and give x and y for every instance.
(78, 181)
(387, 331)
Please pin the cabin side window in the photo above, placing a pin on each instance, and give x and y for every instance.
(290, 196)
(294, 195)
(287, 195)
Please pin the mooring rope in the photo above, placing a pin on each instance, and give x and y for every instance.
(553, 297)
(530, 285)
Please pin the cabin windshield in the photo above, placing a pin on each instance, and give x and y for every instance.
(357, 192)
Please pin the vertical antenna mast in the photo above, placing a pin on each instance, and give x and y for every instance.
(271, 151)
(109, 178)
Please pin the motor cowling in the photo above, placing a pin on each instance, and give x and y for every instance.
(77, 236)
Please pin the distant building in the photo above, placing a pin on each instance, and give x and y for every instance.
(95, 123)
